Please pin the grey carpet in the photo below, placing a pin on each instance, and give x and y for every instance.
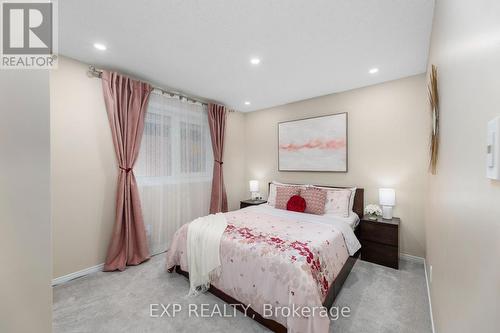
(381, 300)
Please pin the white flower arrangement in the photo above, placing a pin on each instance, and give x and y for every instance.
(373, 210)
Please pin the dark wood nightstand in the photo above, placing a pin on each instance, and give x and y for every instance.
(250, 202)
(380, 241)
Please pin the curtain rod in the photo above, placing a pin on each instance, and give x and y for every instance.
(93, 72)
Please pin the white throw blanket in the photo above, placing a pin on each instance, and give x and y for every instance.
(203, 255)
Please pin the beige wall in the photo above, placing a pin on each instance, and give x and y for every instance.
(83, 169)
(392, 115)
(462, 220)
(235, 160)
(388, 137)
(25, 249)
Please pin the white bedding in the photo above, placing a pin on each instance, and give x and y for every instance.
(352, 220)
(345, 225)
(203, 243)
(264, 256)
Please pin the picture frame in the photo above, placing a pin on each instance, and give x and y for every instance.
(315, 144)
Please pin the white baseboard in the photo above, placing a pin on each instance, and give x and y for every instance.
(409, 257)
(429, 297)
(83, 272)
(74, 275)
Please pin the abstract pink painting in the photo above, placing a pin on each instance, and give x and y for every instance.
(313, 144)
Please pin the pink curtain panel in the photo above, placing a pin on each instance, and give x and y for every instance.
(217, 115)
(126, 101)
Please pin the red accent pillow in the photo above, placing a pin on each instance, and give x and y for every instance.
(283, 194)
(296, 204)
(315, 199)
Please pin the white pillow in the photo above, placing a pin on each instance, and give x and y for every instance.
(351, 200)
(338, 202)
(271, 198)
(338, 208)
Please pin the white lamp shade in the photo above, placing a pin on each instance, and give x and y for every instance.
(387, 196)
(254, 185)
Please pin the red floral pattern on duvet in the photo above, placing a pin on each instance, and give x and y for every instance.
(294, 248)
(274, 258)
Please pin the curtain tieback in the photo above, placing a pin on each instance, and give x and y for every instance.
(220, 162)
(127, 170)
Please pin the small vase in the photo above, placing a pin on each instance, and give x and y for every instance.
(373, 217)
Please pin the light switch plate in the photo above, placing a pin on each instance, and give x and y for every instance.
(493, 149)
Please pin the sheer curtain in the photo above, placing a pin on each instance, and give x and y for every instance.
(174, 167)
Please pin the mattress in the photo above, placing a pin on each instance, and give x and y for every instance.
(352, 220)
(277, 258)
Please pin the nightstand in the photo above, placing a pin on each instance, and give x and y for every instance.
(380, 241)
(250, 202)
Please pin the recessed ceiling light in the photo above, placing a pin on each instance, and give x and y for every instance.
(373, 71)
(255, 61)
(100, 47)
(247, 103)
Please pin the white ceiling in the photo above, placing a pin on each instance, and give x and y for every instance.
(203, 48)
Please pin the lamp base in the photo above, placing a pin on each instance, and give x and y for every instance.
(255, 195)
(387, 212)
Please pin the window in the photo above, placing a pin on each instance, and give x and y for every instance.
(157, 147)
(176, 144)
(193, 157)
(174, 167)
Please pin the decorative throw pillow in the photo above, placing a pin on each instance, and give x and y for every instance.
(328, 208)
(338, 202)
(296, 204)
(315, 200)
(271, 198)
(283, 194)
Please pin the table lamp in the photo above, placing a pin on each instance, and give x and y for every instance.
(387, 199)
(254, 188)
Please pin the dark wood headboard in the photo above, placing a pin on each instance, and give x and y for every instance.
(359, 197)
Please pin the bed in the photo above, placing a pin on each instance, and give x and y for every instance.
(272, 258)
